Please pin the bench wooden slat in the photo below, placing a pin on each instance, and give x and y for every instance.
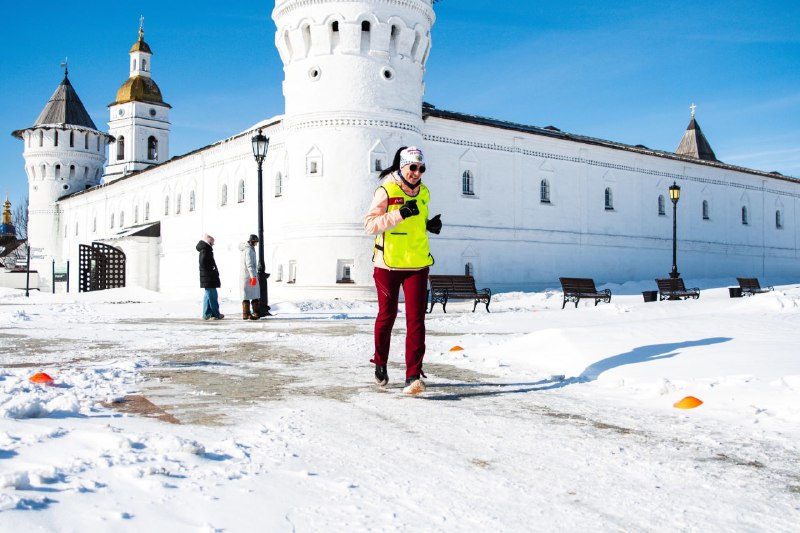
(577, 288)
(751, 286)
(674, 289)
(446, 287)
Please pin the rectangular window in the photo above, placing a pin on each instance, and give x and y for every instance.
(292, 272)
(344, 268)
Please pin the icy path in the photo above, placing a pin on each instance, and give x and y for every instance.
(282, 430)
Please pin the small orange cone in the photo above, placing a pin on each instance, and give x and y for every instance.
(690, 402)
(42, 379)
(456, 348)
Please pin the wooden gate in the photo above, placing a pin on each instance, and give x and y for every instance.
(100, 267)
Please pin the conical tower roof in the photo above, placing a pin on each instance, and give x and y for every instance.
(694, 143)
(65, 107)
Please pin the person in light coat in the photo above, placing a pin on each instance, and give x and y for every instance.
(248, 280)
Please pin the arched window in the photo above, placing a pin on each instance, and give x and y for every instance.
(58, 171)
(223, 195)
(279, 273)
(146, 211)
(544, 192)
(144, 64)
(705, 210)
(72, 139)
(133, 66)
(152, 148)
(111, 225)
(278, 184)
(166, 205)
(778, 219)
(86, 142)
(44, 171)
(136, 214)
(240, 195)
(191, 201)
(469, 270)
(467, 183)
(745, 219)
(122, 219)
(55, 137)
(41, 138)
(98, 143)
(120, 148)
(609, 199)
(72, 171)
(178, 204)
(662, 206)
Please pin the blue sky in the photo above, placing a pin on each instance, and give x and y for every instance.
(624, 71)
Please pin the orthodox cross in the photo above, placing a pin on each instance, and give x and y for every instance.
(693, 108)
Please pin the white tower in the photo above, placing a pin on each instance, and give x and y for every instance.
(64, 153)
(353, 88)
(138, 118)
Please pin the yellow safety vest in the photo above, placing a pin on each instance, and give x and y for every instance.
(406, 245)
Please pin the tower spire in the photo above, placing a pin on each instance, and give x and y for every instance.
(694, 143)
(65, 66)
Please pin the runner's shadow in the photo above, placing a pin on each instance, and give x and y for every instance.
(478, 389)
(644, 354)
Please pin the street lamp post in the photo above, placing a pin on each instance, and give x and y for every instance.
(260, 148)
(674, 195)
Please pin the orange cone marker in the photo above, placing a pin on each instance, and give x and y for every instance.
(42, 379)
(690, 402)
(456, 348)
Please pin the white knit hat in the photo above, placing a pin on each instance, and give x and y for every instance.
(410, 155)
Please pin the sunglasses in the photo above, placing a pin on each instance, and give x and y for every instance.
(414, 167)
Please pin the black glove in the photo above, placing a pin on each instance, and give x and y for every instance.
(409, 209)
(434, 225)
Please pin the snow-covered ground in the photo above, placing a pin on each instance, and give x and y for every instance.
(547, 420)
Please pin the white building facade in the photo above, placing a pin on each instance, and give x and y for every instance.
(521, 205)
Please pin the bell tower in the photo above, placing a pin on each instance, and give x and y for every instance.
(353, 90)
(138, 117)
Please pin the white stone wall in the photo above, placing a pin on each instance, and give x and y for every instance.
(514, 239)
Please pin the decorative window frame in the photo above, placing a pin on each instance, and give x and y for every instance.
(240, 192)
(314, 163)
(468, 165)
(378, 158)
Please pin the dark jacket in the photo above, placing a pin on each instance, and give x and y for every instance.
(209, 275)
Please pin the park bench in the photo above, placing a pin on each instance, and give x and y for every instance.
(577, 288)
(451, 287)
(674, 289)
(751, 286)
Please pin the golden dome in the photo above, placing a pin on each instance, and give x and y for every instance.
(140, 46)
(139, 89)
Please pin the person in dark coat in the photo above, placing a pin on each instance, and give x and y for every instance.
(209, 278)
